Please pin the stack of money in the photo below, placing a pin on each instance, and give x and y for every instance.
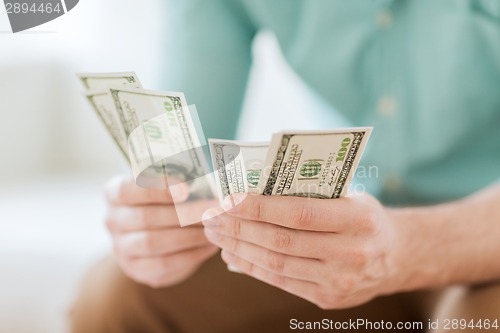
(314, 164)
(155, 130)
(98, 94)
(158, 134)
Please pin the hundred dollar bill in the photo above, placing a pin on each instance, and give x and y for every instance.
(104, 106)
(237, 168)
(316, 164)
(106, 80)
(162, 137)
(96, 85)
(237, 165)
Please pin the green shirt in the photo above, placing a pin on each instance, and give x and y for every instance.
(424, 73)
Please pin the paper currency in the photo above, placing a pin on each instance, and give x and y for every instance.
(237, 165)
(104, 106)
(106, 80)
(155, 131)
(163, 139)
(316, 164)
(96, 85)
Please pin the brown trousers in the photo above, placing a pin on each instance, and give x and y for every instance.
(215, 300)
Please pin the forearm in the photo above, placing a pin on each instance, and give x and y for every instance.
(200, 36)
(457, 242)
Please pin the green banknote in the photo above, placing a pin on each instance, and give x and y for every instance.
(237, 165)
(106, 80)
(162, 138)
(316, 164)
(96, 85)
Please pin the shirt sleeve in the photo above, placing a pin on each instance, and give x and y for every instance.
(207, 55)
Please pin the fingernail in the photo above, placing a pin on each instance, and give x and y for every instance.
(209, 218)
(179, 193)
(212, 235)
(232, 202)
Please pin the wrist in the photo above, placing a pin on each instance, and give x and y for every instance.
(451, 243)
(446, 244)
(420, 236)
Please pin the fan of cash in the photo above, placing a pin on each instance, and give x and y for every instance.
(160, 135)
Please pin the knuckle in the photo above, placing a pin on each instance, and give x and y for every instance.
(234, 226)
(368, 221)
(253, 208)
(362, 255)
(155, 195)
(229, 226)
(234, 246)
(149, 243)
(346, 285)
(278, 280)
(251, 269)
(282, 239)
(301, 216)
(259, 210)
(275, 262)
(145, 216)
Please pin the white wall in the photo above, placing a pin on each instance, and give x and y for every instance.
(46, 125)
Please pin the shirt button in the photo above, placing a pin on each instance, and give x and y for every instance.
(393, 183)
(384, 19)
(386, 106)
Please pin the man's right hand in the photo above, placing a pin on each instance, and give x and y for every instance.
(149, 243)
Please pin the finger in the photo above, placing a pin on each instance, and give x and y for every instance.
(132, 218)
(304, 289)
(122, 190)
(159, 242)
(293, 212)
(337, 248)
(155, 269)
(279, 263)
(300, 243)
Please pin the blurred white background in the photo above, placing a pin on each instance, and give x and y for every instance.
(55, 155)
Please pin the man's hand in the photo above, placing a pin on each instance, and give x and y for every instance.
(150, 245)
(334, 253)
